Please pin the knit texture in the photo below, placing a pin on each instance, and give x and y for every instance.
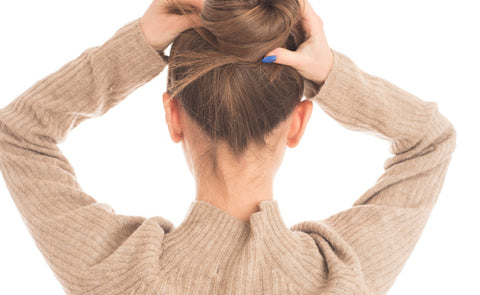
(93, 250)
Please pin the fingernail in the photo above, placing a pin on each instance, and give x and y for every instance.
(269, 59)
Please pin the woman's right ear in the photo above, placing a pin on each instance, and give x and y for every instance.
(172, 117)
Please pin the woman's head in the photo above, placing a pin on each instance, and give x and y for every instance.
(221, 88)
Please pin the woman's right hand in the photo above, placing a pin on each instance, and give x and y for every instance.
(313, 59)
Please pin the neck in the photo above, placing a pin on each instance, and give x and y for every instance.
(236, 190)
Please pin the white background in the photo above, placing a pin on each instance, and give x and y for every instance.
(126, 158)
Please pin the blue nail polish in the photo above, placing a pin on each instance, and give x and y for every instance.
(269, 59)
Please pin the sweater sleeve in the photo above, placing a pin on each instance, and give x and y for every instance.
(71, 229)
(375, 237)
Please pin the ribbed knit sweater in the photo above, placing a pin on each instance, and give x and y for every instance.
(93, 250)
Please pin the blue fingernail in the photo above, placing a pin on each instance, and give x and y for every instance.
(269, 59)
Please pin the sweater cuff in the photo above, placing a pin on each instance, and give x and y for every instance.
(128, 44)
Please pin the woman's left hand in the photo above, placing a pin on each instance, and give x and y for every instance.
(160, 26)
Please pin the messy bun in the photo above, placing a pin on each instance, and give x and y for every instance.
(246, 29)
(216, 74)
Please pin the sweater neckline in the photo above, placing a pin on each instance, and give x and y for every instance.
(211, 243)
(208, 227)
(206, 208)
(210, 215)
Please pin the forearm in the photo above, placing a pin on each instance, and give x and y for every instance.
(86, 87)
(363, 102)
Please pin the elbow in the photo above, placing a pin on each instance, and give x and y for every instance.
(451, 135)
(444, 130)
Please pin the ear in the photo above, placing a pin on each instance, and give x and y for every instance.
(172, 117)
(301, 115)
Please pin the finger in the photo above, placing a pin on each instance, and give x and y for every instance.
(310, 20)
(309, 13)
(186, 22)
(195, 3)
(302, 5)
(285, 57)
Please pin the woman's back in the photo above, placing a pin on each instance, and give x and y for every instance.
(93, 250)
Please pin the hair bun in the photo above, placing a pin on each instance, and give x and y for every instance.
(249, 29)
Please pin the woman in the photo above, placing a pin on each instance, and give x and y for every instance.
(234, 115)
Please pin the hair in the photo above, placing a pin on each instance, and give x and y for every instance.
(216, 73)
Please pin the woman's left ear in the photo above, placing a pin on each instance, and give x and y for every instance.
(172, 117)
(301, 115)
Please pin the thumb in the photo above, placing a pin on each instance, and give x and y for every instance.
(283, 56)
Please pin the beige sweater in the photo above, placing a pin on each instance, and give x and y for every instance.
(93, 250)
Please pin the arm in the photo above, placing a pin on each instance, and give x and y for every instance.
(89, 247)
(71, 229)
(363, 248)
(374, 238)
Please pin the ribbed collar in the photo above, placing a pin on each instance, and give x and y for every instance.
(204, 211)
(205, 217)
(208, 231)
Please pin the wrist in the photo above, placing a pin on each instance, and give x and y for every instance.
(148, 33)
(330, 62)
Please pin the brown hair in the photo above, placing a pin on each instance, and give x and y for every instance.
(216, 74)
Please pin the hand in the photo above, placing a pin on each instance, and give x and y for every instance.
(160, 26)
(313, 59)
